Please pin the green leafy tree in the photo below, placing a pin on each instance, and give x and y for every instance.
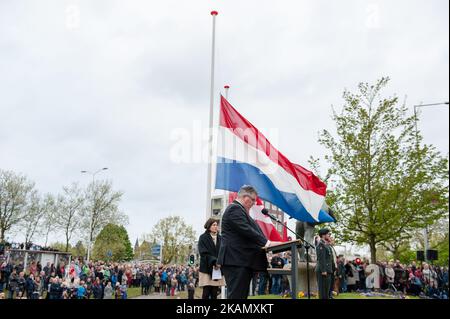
(176, 237)
(402, 250)
(385, 182)
(442, 248)
(59, 246)
(113, 238)
(397, 246)
(408, 244)
(439, 240)
(79, 250)
(406, 255)
(144, 251)
(383, 254)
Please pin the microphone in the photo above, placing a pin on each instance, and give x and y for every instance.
(265, 212)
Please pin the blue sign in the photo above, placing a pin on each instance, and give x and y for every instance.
(109, 253)
(156, 250)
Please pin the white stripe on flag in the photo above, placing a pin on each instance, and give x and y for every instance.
(232, 147)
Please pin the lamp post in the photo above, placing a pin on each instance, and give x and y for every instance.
(424, 105)
(425, 230)
(90, 222)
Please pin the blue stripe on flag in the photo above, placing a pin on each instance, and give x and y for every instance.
(231, 175)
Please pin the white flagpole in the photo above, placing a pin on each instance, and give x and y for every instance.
(226, 193)
(223, 293)
(211, 105)
(226, 87)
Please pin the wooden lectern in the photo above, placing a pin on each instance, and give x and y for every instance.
(287, 246)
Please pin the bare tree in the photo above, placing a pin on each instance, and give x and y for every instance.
(48, 223)
(69, 212)
(102, 208)
(32, 224)
(15, 191)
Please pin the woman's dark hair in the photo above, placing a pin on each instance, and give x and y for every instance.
(209, 222)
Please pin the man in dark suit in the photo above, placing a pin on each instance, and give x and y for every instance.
(241, 252)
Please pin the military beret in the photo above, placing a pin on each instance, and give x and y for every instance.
(323, 231)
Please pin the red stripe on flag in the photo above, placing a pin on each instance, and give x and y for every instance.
(269, 231)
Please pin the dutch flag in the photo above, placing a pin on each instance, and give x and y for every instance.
(246, 157)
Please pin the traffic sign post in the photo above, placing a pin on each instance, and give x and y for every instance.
(157, 251)
(109, 254)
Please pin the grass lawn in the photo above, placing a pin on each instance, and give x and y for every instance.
(353, 295)
(134, 292)
(184, 294)
(350, 295)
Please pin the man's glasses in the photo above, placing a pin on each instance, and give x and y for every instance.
(253, 199)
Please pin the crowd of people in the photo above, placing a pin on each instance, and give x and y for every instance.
(262, 283)
(415, 279)
(422, 280)
(111, 280)
(93, 280)
(28, 246)
(103, 280)
(168, 280)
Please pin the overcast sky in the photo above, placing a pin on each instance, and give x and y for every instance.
(91, 84)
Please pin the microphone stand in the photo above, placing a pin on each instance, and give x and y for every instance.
(305, 243)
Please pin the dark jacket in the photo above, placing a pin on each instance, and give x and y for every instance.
(4, 273)
(242, 240)
(55, 291)
(97, 291)
(145, 281)
(341, 271)
(208, 252)
(30, 286)
(277, 262)
(13, 281)
(21, 283)
(324, 258)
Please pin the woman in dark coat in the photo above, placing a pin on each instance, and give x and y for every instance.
(208, 247)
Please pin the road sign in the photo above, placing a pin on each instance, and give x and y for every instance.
(156, 250)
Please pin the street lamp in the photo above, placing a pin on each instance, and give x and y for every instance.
(425, 231)
(90, 222)
(93, 174)
(425, 105)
